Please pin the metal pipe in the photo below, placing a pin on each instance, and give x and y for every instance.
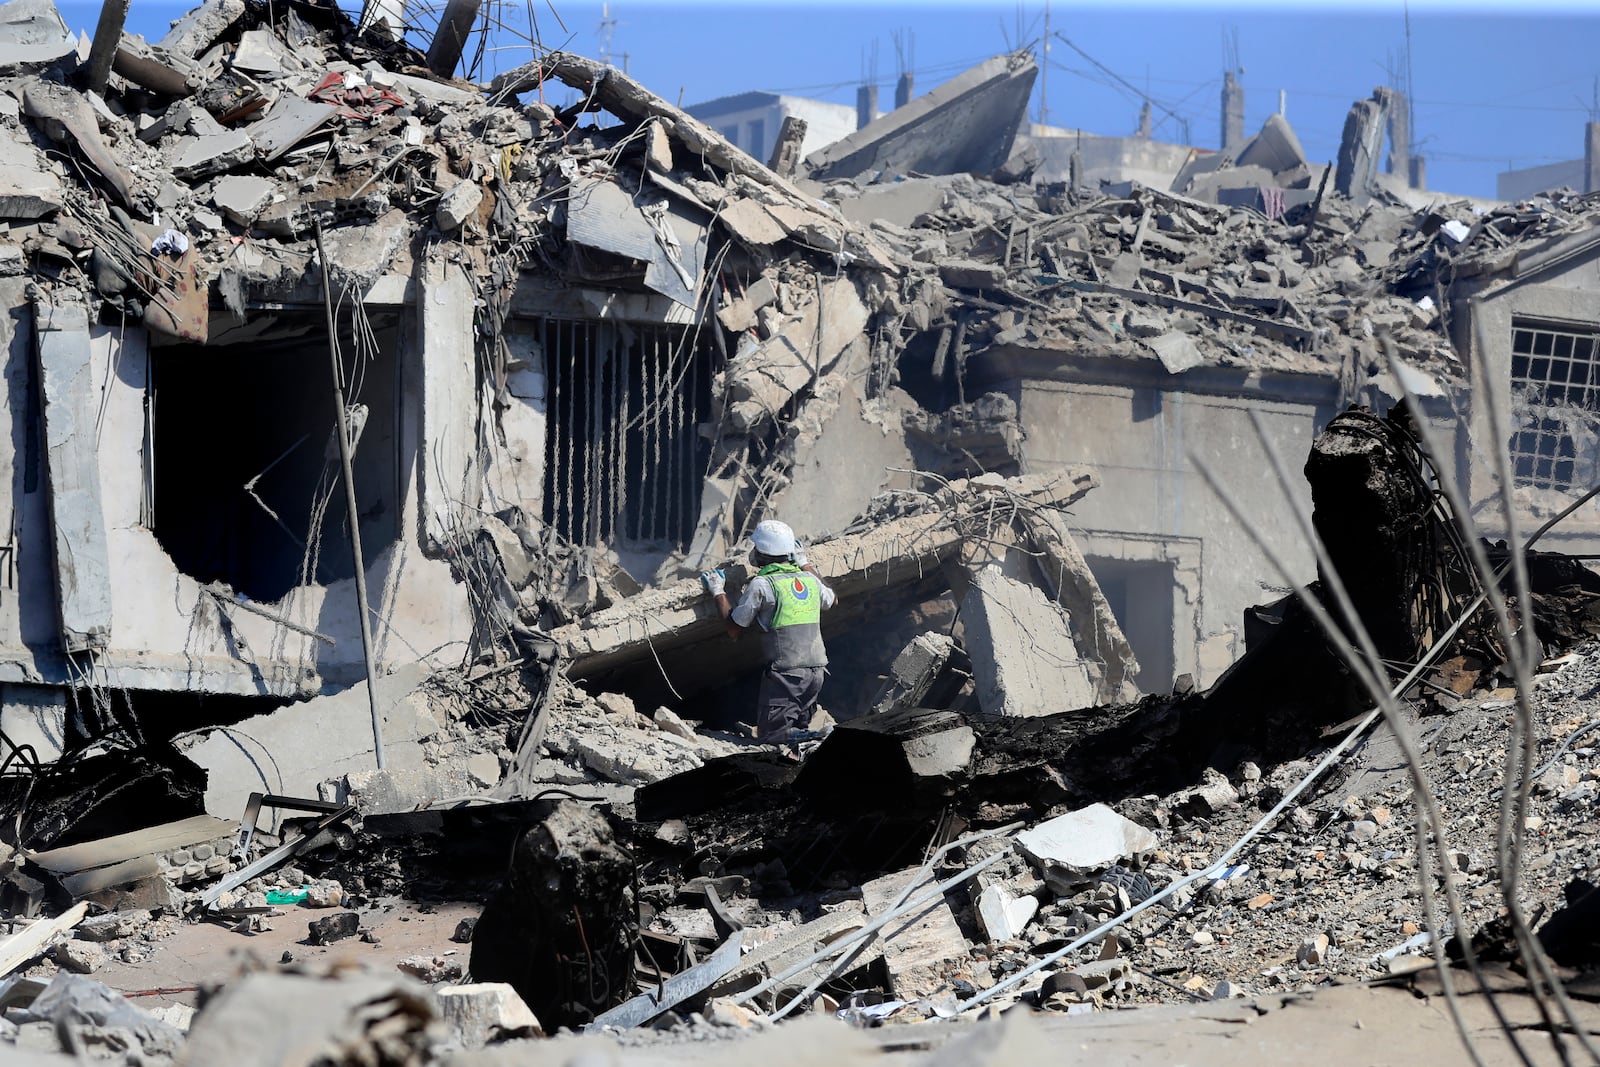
(350, 504)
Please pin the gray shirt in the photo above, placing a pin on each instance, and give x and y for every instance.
(759, 605)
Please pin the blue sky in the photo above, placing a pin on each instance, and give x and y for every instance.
(1494, 85)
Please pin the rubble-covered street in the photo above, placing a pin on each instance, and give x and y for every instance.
(433, 507)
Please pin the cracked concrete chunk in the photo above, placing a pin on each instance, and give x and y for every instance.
(457, 205)
(241, 198)
(1177, 351)
(195, 31)
(1072, 849)
(1024, 659)
(485, 1011)
(201, 157)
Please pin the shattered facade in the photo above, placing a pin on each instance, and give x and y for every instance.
(372, 428)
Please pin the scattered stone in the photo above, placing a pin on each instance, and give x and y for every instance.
(458, 205)
(1313, 951)
(333, 928)
(431, 969)
(80, 957)
(464, 929)
(1071, 849)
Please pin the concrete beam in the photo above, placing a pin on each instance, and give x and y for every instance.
(107, 36)
(69, 396)
(903, 552)
(1591, 157)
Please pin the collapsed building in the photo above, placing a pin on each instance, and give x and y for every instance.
(370, 428)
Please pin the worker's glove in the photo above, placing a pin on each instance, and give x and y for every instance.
(716, 582)
(799, 556)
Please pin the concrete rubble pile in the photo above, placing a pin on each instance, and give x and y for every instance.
(543, 809)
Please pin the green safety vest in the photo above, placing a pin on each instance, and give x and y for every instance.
(794, 637)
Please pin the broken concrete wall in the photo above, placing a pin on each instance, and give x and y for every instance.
(1559, 285)
(1141, 430)
(66, 400)
(1108, 159)
(1023, 657)
(291, 751)
(515, 469)
(168, 632)
(843, 451)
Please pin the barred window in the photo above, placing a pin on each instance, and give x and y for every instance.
(1555, 385)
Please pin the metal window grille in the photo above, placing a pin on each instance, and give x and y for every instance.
(624, 459)
(1555, 385)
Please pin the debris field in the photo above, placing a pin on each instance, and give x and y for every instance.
(443, 754)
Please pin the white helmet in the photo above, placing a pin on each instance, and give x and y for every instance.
(774, 538)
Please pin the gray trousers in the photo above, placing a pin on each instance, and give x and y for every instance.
(787, 700)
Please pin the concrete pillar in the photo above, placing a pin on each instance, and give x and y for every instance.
(450, 39)
(786, 152)
(1360, 146)
(69, 401)
(1399, 135)
(1144, 121)
(902, 90)
(1419, 172)
(866, 105)
(1591, 157)
(447, 354)
(1232, 111)
(107, 36)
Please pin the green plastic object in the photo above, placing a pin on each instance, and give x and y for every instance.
(292, 896)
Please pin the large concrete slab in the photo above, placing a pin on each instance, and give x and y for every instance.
(291, 750)
(920, 950)
(1024, 659)
(69, 402)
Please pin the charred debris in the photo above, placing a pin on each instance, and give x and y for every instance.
(371, 427)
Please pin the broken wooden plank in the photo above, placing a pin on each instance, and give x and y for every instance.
(24, 945)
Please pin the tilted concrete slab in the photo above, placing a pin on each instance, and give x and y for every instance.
(966, 125)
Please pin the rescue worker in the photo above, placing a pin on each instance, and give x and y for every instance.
(786, 598)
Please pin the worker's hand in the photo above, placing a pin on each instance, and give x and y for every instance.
(716, 582)
(799, 555)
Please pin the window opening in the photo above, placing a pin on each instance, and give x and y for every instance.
(1555, 389)
(624, 456)
(244, 458)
